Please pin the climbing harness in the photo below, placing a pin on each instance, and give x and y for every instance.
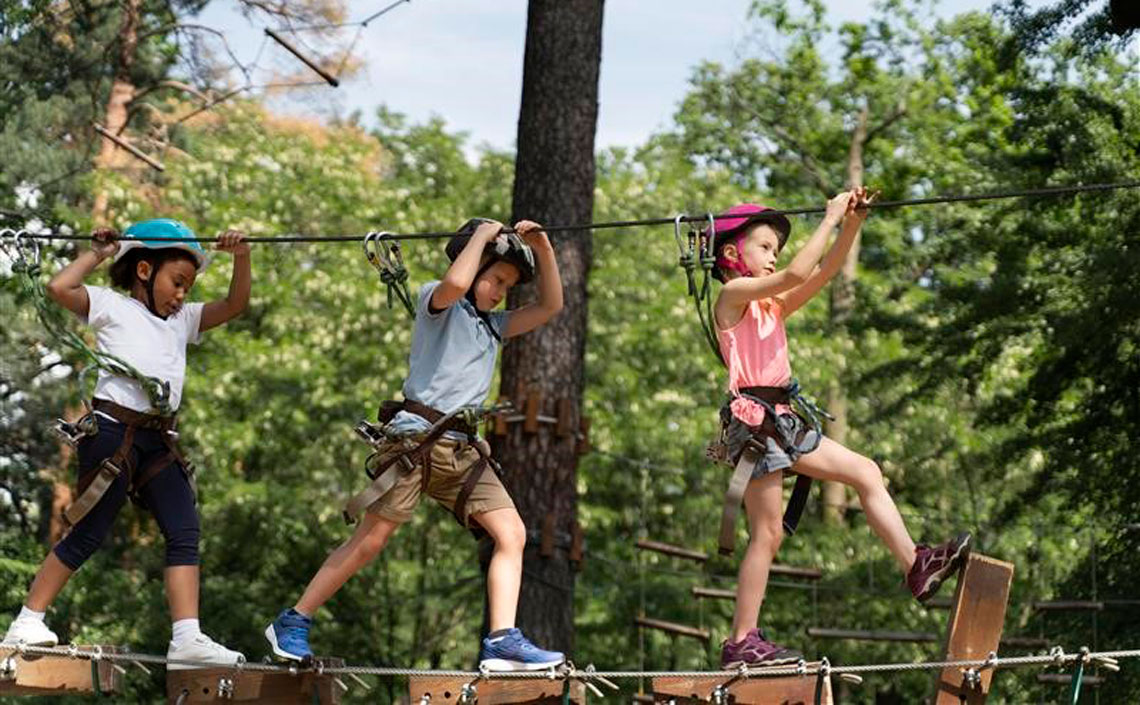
(95, 483)
(384, 254)
(756, 448)
(398, 454)
(696, 249)
(24, 252)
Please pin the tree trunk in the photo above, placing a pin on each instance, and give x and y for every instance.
(842, 305)
(554, 183)
(122, 93)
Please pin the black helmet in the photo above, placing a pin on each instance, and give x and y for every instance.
(509, 249)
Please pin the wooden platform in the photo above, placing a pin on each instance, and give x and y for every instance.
(785, 690)
(449, 690)
(59, 675)
(977, 617)
(209, 685)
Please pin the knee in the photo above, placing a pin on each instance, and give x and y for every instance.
(869, 477)
(511, 536)
(767, 535)
(182, 546)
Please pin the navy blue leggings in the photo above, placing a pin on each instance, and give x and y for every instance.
(168, 496)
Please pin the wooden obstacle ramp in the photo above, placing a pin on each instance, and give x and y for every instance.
(782, 690)
(977, 616)
(447, 690)
(60, 675)
(210, 685)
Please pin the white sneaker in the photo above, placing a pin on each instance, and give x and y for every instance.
(32, 632)
(204, 649)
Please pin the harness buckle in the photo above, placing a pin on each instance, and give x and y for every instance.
(370, 433)
(73, 433)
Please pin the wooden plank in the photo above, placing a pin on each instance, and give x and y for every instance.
(671, 550)
(446, 689)
(673, 628)
(533, 404)
(546, 546)
(977, 617)
(1067, 679)
(58, 675)
(565, 418)
(577, 548)
(1069, 606)
(786, 690)
(871, 635)
(211, 685)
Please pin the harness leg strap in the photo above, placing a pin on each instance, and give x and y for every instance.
(796, 504)
(734, 497)
(93, 489)
(385, 480)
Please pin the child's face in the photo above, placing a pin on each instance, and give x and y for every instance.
(492, 286)
(172, 284)
(759, 249)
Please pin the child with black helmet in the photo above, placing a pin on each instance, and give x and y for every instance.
(132, 451)
(426, 445)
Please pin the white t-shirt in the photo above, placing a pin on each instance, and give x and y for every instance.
(125, 328)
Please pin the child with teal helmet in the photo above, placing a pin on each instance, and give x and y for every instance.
(131, 450)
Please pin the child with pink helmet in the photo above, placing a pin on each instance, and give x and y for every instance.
(768, 427)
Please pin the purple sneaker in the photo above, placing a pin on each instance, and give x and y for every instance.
(933, 565)
(755, 650)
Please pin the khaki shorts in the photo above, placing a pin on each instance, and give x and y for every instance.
(450, 462)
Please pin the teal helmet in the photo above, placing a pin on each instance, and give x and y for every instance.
(162, 233)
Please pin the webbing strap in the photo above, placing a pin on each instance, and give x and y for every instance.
(734, 498)
(384, 481)
(104, 477)
(796, 504)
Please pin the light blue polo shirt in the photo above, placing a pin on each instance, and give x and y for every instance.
(452, 360)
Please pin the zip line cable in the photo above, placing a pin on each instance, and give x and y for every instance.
(673, 220)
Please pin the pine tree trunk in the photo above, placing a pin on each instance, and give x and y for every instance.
(842, 305)
(554, 184)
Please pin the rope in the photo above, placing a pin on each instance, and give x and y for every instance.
(1056, 657)
(25, 256)
(618, 224)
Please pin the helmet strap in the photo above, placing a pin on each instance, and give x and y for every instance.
(149, 286)
(470, 296)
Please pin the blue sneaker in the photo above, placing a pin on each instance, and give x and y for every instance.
(289, 635)
(514, 652)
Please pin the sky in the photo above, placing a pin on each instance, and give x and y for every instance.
(462, 60)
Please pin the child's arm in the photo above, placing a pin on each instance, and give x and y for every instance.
(216, 313)
(549, 302)
(738, 293)
(66, 288)
(461, 274)
(852, 223)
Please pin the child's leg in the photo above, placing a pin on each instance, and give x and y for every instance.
(504, 575)
(370, 537)
(171, 500)
(48, 583)
(762, 501)
(832, 462)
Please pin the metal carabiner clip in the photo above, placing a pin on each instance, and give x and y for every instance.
(708, 238)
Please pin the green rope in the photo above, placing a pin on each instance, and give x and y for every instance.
(26, 266)
(1078, 678)
(701, 295)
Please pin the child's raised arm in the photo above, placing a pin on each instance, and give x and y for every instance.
(66, 287)
(216, 313)
(549, 283)
(857, 212)
(461, 274)
(739, 292)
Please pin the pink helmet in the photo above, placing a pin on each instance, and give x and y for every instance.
(730, 230)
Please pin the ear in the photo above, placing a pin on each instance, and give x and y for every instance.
(143, 270)
(731, 252)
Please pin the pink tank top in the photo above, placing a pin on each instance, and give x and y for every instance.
(756, 352)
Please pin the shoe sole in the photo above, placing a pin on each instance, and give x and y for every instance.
(935, 581)
(271, 637)
(49, 643)
(500, 665)
(785, 661)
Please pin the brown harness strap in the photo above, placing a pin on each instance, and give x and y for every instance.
(383, 480)
(94, 485)
(734, 497)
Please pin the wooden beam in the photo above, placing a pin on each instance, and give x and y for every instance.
(1069, 606)
(871, 635)
(785, 690)
(212, 685)
(448, 690)
(671, 550)
(977, 618)
(673, 628)
(59, 675)
(1067, 679)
